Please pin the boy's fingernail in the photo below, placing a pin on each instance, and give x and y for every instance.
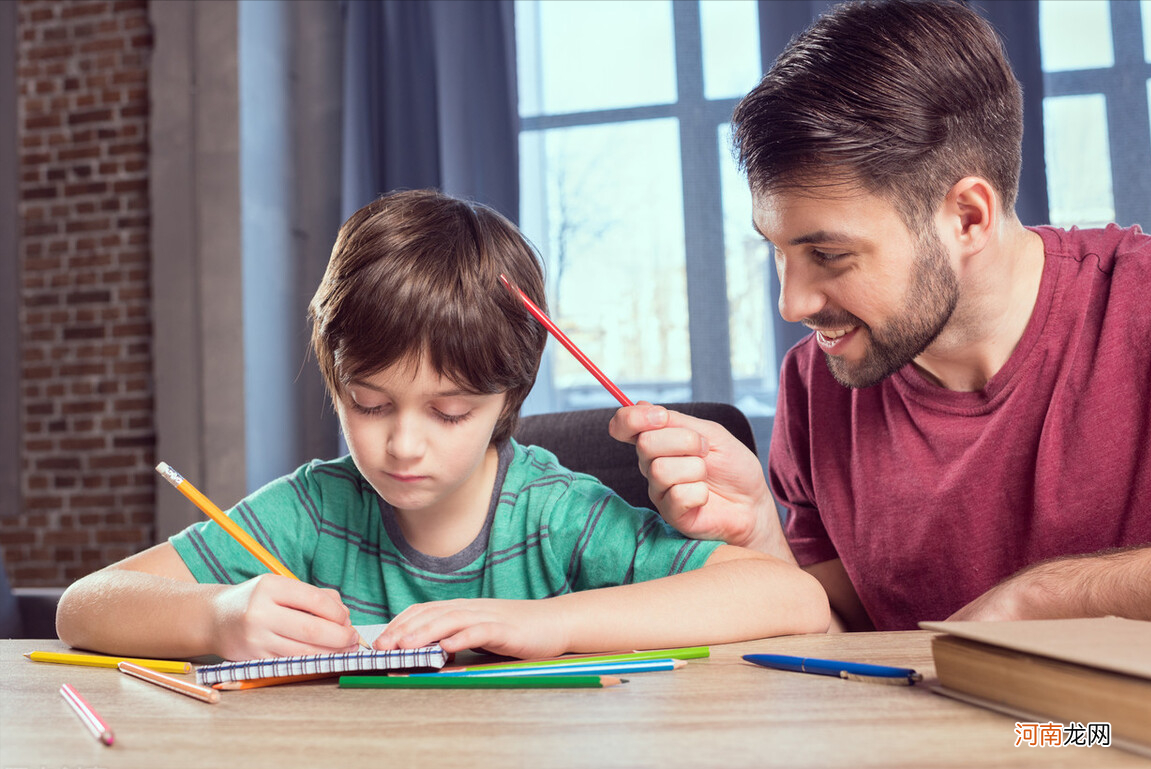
(656, 416)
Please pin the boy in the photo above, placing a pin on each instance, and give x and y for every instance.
(437, 522)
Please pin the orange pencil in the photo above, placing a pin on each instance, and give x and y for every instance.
(257, 683)
(202, 693)
(227, 524)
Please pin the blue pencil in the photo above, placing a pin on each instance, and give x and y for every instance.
(587, 668)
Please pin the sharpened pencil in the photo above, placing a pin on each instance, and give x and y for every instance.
(92, 722)
(581, 669)
(562, 338)
(210, 509)
(187, 688)
(100, 661)
(479, 682)
(683, 653)
(259, 683)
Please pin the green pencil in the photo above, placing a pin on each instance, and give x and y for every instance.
(486, 682)
(685, 653)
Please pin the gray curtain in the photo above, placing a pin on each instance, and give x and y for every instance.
(1017, 21)
(430, 100)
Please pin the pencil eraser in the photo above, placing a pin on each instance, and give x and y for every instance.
(169, 474)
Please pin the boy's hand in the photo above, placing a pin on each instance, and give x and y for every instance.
(703, 480)
(524, 629)
(274, 616)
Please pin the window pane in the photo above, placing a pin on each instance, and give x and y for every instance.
(1145, 14)
(1078, 160)
(730, 36)
(604, 206)
(750, 309)
(1075, 34)
(593, 55)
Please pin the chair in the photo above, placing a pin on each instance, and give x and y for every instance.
(27, 612)
(580, 441)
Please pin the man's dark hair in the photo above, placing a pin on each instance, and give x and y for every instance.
(905, 97)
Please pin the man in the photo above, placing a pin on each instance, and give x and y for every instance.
(964, 433)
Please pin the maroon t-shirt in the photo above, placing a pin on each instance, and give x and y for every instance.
(930, 497)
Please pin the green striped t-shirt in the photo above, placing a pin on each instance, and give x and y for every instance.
(548, 531)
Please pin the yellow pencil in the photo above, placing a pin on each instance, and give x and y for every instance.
(227, 524)
(100, 661)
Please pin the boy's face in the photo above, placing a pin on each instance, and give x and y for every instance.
(421, 441)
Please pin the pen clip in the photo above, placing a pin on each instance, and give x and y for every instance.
(906, 680)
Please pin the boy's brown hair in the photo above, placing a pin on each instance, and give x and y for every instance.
(416, 273)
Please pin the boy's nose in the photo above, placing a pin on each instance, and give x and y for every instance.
(405, 439)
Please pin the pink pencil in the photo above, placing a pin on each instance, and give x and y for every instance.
(561, 337)
(92, 722)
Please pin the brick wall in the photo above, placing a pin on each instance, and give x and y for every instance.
(88, 437)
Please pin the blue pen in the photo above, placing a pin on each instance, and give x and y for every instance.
(853, 671)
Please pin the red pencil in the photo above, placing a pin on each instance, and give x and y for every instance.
(561, 337)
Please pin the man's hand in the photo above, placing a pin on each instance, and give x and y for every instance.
(704, 481)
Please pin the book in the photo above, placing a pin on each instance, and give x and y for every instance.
(1084, 671)
(359, 661)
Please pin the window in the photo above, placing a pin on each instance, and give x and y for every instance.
(1097, 131)
(630, 193)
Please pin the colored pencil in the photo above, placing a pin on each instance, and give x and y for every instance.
(93, 722)
(100, 661)
(257, 683)
(562, 338)
(684, 653)
(202, 693)
(227, 524)
(479, 682)
(581, 668)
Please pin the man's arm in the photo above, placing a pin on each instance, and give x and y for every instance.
(847, 610)
(737, 595)
(1116, 582)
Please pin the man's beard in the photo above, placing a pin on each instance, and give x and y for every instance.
(930, 301)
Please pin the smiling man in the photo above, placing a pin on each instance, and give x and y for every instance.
(963, 433)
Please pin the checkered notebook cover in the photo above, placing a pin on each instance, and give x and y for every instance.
(340, 662)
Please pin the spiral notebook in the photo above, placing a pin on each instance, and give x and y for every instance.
(363, 660)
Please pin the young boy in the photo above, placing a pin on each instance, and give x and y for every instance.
(438, 522)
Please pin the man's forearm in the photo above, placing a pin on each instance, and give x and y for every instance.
(1116, 583)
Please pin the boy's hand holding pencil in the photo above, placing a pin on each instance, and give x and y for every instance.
(254, 622)
(273, 616)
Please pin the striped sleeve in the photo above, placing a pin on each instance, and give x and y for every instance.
(608, 542)
(283, 516)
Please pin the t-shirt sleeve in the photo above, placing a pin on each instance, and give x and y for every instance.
(789, 470)
(602, 541)
(283, 516)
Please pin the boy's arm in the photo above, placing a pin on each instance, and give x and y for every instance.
(149, 604)
(737, 595)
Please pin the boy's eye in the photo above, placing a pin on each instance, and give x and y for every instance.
(453, 418)
(366, 410)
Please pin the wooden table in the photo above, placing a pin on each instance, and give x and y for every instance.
(718, 712)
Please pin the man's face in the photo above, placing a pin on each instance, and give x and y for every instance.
(875, 293)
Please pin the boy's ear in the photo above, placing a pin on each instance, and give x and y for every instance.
(969, 215)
